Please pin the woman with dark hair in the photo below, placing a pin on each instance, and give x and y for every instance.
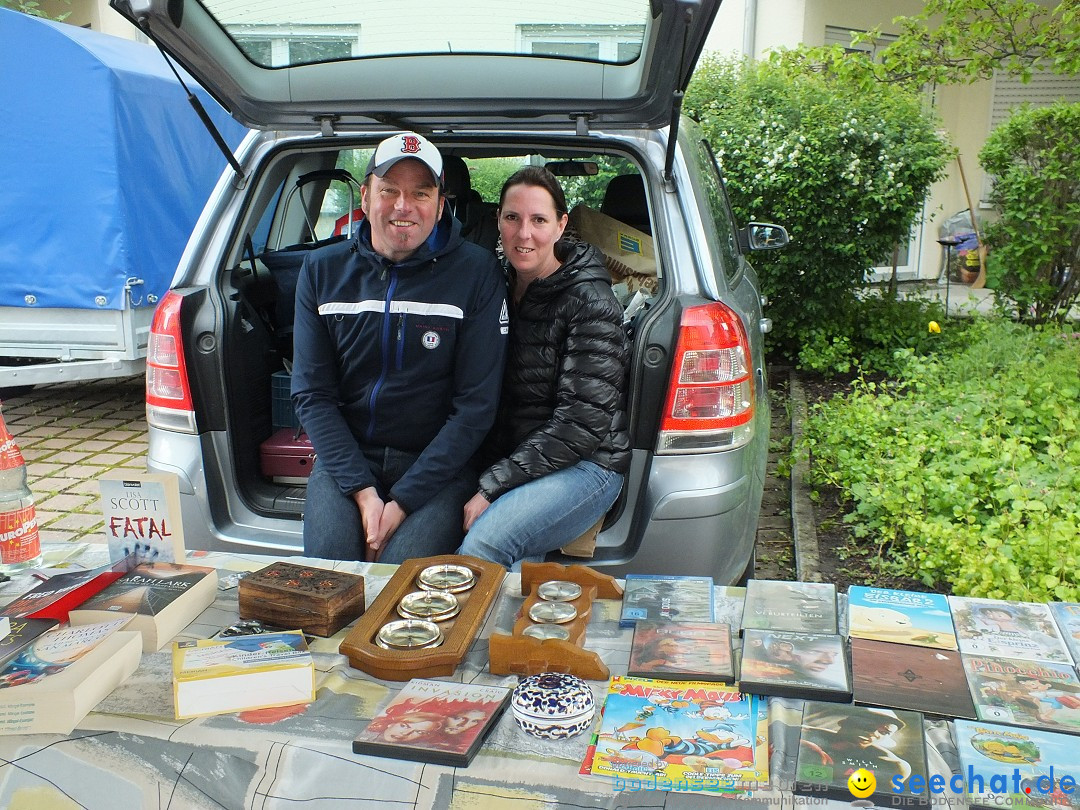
(560, 436)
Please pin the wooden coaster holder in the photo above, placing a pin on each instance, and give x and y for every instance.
(400, 665)
(519, 654)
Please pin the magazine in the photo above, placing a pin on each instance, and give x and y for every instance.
(808, 607)
(666, 599)
(900, 676)
(1040, 694)
(441, 722)
(904, 617)
(1044, 764)
(799, 665)
(837, 740)
(689, 736)
(697, 650)
(1007, 629)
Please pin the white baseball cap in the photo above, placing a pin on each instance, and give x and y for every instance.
(405, 145)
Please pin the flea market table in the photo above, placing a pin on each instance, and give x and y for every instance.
(131, 753)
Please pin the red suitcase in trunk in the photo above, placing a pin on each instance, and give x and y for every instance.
(286, 458)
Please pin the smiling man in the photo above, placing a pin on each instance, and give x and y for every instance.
(400, 338)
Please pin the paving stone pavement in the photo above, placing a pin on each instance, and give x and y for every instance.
(69, 434)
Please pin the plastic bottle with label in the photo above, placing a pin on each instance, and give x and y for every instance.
(20, 545)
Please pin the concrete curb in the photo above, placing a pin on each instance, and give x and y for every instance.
(803, 525)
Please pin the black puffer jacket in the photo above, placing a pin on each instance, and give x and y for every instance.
(563, 394)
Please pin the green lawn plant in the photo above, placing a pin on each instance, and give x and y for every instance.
(845, 171)
(965, 471)
(1034, 158)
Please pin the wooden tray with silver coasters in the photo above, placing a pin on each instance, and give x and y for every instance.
(549, 634)
(425, 618)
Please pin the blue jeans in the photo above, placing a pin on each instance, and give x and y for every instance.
(333, 529)
(543, 515)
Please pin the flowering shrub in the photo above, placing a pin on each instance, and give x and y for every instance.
(966, 472)
(845, 171)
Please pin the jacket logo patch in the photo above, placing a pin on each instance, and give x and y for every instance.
(504, 314)
(430, 340)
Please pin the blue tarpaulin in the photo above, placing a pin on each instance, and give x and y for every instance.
(106, 166)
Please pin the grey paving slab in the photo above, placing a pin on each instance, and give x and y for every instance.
(66, 502)
(69, 457)
(77, 521)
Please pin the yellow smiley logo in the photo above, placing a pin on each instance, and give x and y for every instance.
(861, 783)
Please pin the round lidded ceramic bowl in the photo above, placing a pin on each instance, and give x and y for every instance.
(553, 705)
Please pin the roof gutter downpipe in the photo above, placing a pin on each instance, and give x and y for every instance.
(749, 28)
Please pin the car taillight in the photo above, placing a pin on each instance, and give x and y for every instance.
(168, 395)
(710, 398)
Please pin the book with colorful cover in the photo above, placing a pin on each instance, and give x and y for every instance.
(218, 676)
(1067, 616)
(20, 633)
(440, 722)
(64, 590)
(811, 666)
(685, 736)
(56, 679)
(161, 598)
(698, 651)
(803, 607)
(902, 617)
(1006, 766)
(900, 676)
(993, 627)
(1039, 694)
(666, 599)
(836, 740)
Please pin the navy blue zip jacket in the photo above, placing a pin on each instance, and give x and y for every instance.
(408, 356)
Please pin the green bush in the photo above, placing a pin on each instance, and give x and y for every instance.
(869, 335)
(1035, 160)
(967, 469)
(844, 170)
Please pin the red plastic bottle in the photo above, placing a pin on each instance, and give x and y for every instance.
(20, 545)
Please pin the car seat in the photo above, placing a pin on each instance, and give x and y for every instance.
(479, 222)
(624, 200)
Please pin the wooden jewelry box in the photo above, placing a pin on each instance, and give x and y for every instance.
(298, 597)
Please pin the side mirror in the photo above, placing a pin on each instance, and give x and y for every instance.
(763, 236)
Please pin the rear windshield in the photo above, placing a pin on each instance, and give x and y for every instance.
(276, 33)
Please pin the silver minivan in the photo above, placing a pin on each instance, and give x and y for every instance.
(593, 91)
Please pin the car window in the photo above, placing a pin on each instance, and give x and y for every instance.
(714, 205)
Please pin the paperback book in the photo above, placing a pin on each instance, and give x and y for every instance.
(837, 740)
(440, 722)
(808, 607)
(55, 680)
(693, 736)
(666, 599)
(1067, 616)
(900, 676)
(161, 599)
(1005, 766)
(904, 617)
(799, 665)
(695, 650)
(218, 676)
(20, 633)
(142, 515)
(1040, 694)
(64, 590)
(1007, 629)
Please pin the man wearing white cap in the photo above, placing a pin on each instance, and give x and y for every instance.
(399, 344)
